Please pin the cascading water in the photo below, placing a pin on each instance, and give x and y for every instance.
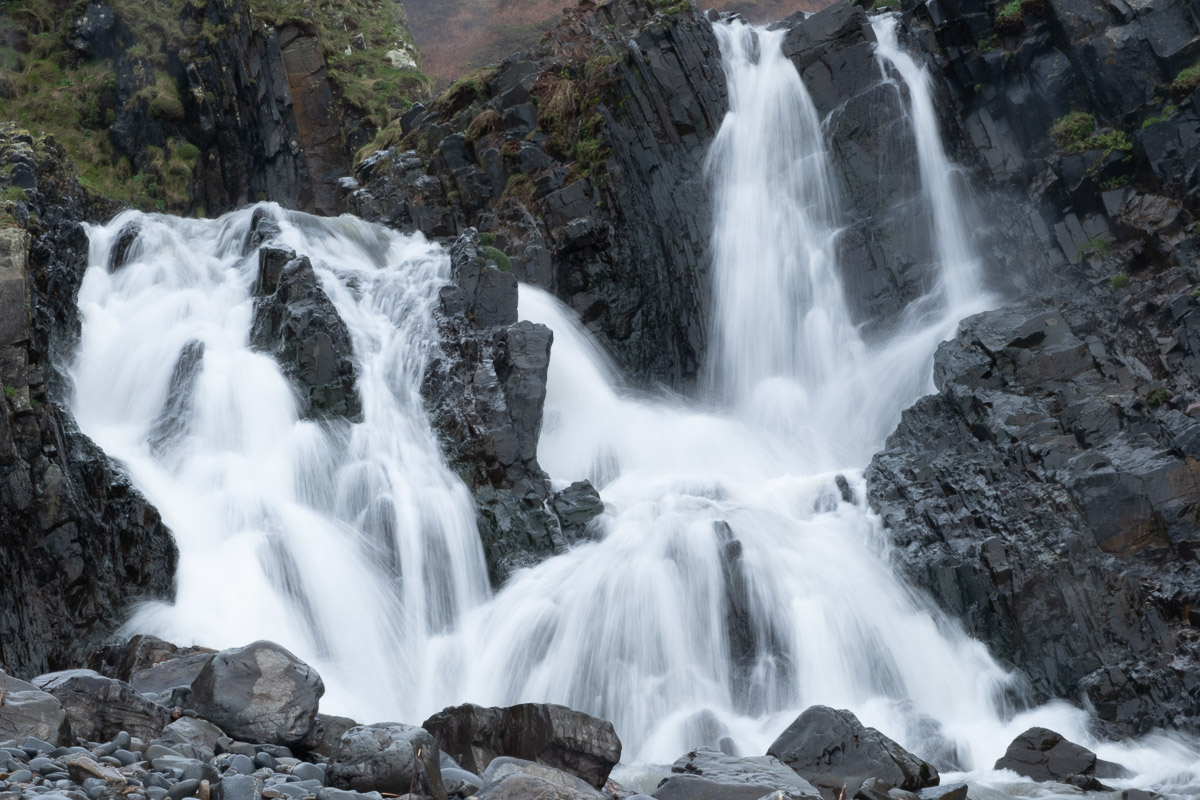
(282, 523)
(735, 582)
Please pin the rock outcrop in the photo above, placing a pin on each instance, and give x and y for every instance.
(78, 544)
(583, 162)
(1046, 496)
(484, 389)
(1044, 755)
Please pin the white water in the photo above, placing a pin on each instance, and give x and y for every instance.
(353, 545)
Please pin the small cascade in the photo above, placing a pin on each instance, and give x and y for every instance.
(350, 544)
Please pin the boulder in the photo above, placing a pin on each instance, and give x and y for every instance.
(192, 737)
(708, 773)
(504, 769)
(259, 693)
(28, 711)
(100, 707)
(387, 757)
(519, 786)
(832, 749)
(1043, 755)
(554, 735)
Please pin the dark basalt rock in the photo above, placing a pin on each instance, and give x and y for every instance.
(119, 255)
(832, 749)
(259, 693)
(552, 735)
(484, 388)
(651, 102)
(99, 708)
(78, 543)
(296, 322)
(1038, 485)
(1044, 755)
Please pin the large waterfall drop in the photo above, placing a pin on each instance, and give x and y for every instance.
(738, 580)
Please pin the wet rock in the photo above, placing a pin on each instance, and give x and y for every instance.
(192, 737)
(519, 786)
(387, 757)
(1044, 755)
(705, 772)
(297, 323)
(120, 253)
(576, 506)
(28, 711)
(832, 749)
(79, 542)
(259, 693)
(504, 768)
(555, 736)
(100, 708)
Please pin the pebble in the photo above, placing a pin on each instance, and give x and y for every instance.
(241, 764)
(309, 772)
(156, 793)
(185, 788)
(20, 776)
(126, 758)
(265, 760)
(123, 740)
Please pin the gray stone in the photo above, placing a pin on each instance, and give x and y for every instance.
(554, 735)
(382, 757)
(100, 707)
(259, 693)
(1044, 755)
(832, 749)
(28, 711)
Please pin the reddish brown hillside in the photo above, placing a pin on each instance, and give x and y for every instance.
(455, 36)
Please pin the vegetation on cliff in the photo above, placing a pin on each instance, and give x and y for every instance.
(92, 74)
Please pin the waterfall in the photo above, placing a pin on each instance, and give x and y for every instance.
(350, 544)
(740, 575)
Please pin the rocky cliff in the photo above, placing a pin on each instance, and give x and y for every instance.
(582, 162)
(1047, 495)
(199, 108)
(78, 544)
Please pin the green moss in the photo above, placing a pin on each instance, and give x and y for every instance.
(1098, 245)
(521, 189)
(1187, 81)
(1076, 133)
(487, 239)
(1157, 397)
(882, 4)
(10, 392)
(1119, 280)
(1167, 112)
(14, 194)
(496, 255)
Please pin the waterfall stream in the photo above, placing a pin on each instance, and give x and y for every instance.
(737, 581)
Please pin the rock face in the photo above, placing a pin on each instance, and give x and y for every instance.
(1041, 484)
(1046, 495)
(584, 161)
(259, 693)
(296, 322)
(1044, 755)
(78, 543)
(832, 749)
(484, 389)
(555, 736)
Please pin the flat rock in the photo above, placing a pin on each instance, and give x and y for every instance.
(100, 707)
(28, 711)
